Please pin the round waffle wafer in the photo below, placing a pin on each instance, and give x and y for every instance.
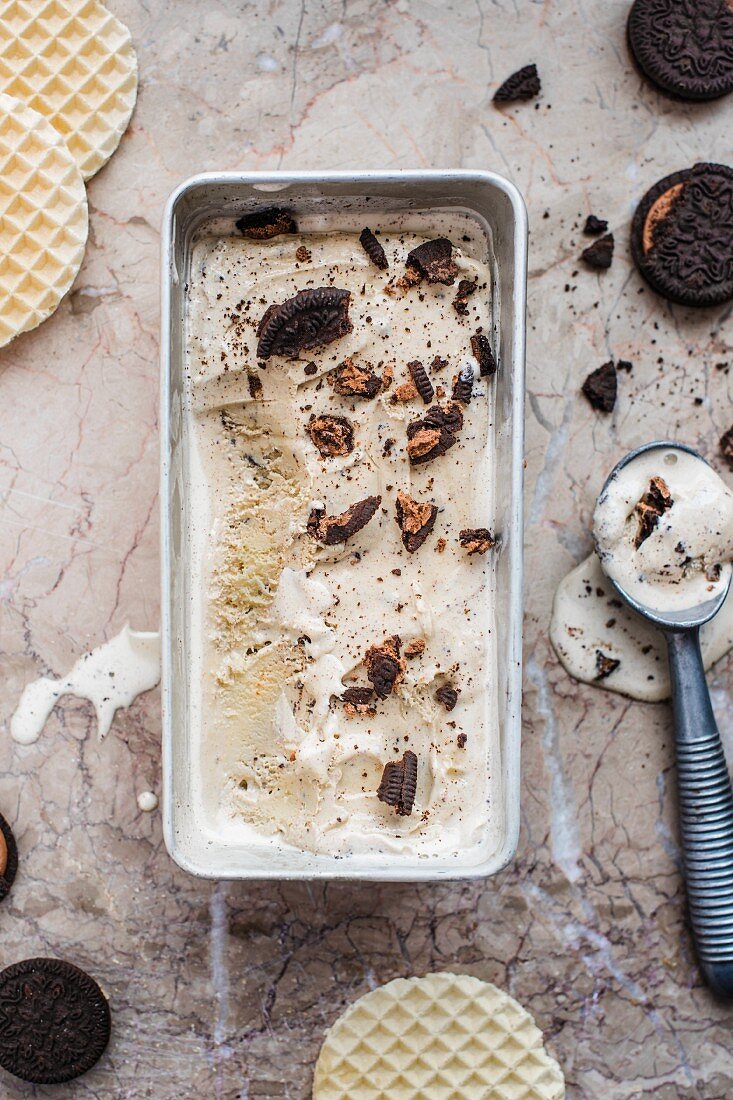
(74, 63)
(43, 218)
(436, 1038)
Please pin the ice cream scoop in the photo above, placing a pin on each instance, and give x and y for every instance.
(704, 786)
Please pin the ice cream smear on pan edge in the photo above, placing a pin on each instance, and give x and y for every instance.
(664, 526)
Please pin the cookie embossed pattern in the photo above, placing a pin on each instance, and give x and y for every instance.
(685, 47)
(681, 236)
(55, 1021)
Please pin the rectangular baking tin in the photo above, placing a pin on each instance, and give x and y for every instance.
(496, 205)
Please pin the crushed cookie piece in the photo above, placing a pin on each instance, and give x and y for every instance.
(352, 379)
(264, 224)
(415, 649)
(432, 260)
(415, 521)
(435, 433)
(254, 384)
(482, 353)
(599, 255)
(466, 288)
(477, 540)
(331, 530)
(387, 447)
(601, 387)
(422, 383)
(655, 502)
(399, 783)
(398, 287)
(438, 364)
(302, 254)
(523, 84)
(310, 319)
(385, 668)
(359, 700)
(605, 665)
(373, 249)
(594, 226)
(310, 369)
(332, 435)
(406, 392)
(463, 385)
(441, 545)
(448, 696)
(461, 740)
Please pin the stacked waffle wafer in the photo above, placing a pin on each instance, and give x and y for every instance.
(68, 84)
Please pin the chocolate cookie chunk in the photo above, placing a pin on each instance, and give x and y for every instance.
(523, 84)
(399, 784)
(352, 379)
(685, 47)
(264, 224)
(423, 385)
(415, 521)
(682, 236)
(433, 434)
(448, 696)
(359, 700)
(310, 319)
(481, 350)
(433, 261)
(8, 858)
(54, 1021)
(463, 385)
(332, 435)
(655, 502)
(599, 255)
(384, 666)
(726, 447)
(594, 226)
(465, 289)
(373, 249)
(601, 387)
(331, 530)
(477, 540)
(605, 665)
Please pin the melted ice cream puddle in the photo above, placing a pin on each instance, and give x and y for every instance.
(589, 619)
(597, 638)
(110, 677)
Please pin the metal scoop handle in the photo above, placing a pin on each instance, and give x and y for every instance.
(706, 812)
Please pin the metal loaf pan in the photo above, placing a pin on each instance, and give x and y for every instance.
(498, 209)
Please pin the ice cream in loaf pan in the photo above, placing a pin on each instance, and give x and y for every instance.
(319, 658)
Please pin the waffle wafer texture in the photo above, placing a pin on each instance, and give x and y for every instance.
(436, 1038)
(43, 218)
(74, 63)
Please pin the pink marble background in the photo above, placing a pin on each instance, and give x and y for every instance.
(224, 991)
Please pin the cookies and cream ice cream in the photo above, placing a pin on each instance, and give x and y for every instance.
(340, 426)
(663, 528)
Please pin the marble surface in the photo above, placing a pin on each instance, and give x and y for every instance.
(224, 990)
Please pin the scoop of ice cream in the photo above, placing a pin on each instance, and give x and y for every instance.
(663, 527)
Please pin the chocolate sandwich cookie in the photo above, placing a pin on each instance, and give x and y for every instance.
(685, 47)
(54, 1021)
(682, 236)
(8, 858)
